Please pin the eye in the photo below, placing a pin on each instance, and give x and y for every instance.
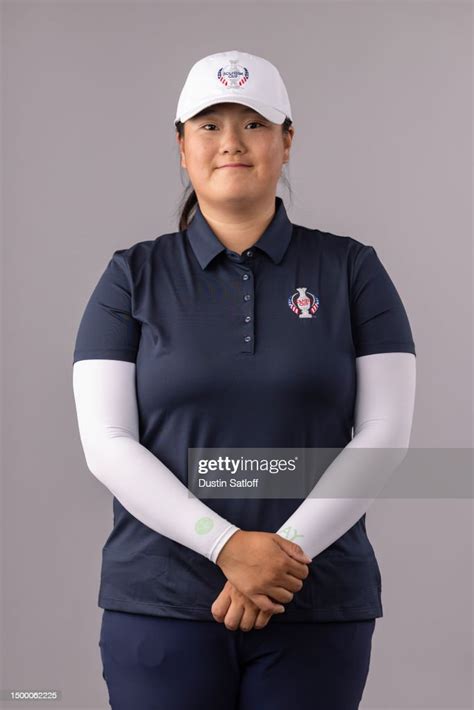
(248, 124)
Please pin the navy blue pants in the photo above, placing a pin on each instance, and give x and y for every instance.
(160, 663)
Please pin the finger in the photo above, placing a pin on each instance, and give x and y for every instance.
(293, 584)
(292, 549)
(249, 616)
(297, 568)
(233, 616)
(264, 603)
(262, 619)
(220, 607)
(300, 556)
(296, 561)
(290, 576)
(280, 595)
(268, 598)
(277, 593)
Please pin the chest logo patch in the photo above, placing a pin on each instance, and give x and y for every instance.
(304, 303)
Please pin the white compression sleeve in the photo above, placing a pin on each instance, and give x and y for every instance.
(383, 417)
(107, 414)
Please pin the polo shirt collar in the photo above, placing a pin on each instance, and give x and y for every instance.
(274, 241)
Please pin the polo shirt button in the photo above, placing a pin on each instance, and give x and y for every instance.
(245, 277)
(248, 318)
(247, 338)
(247, 297)
(250, 253)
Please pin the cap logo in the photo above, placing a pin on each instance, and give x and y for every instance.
(233, 75)
(303, 303)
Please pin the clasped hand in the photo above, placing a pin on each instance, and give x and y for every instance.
(263, 572)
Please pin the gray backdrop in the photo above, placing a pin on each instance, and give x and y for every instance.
(381, 94)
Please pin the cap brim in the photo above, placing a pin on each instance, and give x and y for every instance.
(268, 112)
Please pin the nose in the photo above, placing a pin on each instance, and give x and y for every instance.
(231, 140)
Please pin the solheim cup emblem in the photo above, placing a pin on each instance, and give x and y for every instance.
(233, 75)
(304, 303)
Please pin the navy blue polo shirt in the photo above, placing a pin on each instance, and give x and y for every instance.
(250, 350)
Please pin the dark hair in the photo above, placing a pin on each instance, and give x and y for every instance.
(189, 198)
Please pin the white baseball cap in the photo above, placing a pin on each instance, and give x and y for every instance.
(237, 77)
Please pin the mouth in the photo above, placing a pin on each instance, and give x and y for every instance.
(235, 165)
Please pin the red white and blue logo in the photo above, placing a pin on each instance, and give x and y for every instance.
(233, 75)
(303, 303)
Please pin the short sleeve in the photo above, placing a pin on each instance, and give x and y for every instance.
(107, 328)
(378, 318)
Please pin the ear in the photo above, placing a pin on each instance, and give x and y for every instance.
(288, 139)
(181, 152)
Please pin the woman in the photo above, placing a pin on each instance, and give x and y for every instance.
(241, 337)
